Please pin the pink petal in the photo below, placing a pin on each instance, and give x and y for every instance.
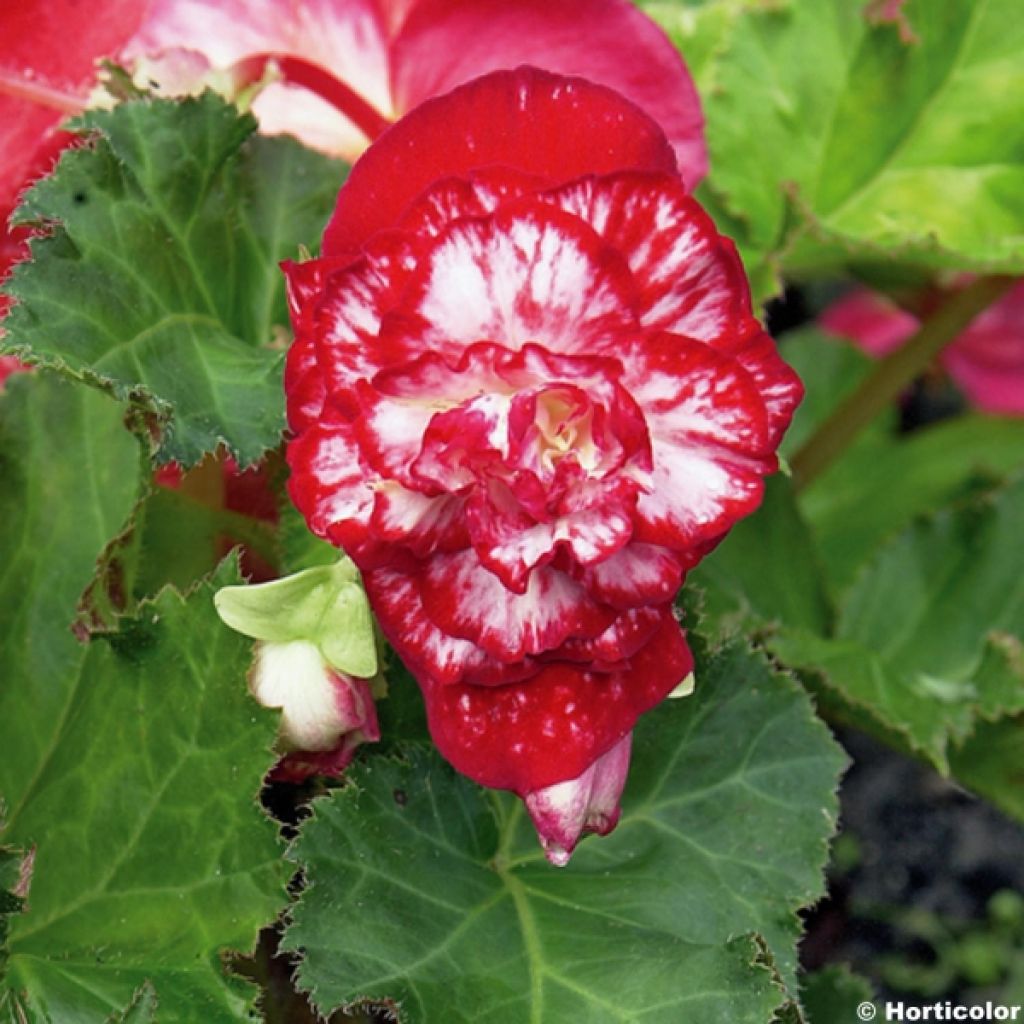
(870, 320)
(468, 601)
(564, 812)
(347, 38)
(606, 41)
(573, 128)
(987, 360)
(552, 727)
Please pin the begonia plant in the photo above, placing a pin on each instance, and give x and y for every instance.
(444, 521)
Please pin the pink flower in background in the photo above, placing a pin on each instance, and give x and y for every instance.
(528, 393)
(388, 56)
(986, 360)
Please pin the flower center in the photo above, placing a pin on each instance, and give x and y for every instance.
(565, 422)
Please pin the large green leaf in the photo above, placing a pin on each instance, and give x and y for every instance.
(928, 637)
(160, 282)
(425, 891)
(130, 766)
(833, 139)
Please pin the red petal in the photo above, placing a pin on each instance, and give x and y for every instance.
(552, 727)
(605, 41)
(538, 123)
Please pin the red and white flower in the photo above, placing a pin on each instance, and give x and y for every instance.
(528, 393)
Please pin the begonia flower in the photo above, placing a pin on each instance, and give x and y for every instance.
(527, 394)
(986, 360)
(315, 659)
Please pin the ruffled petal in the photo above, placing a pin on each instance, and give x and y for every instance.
(528, 273)
(686, 278)
(469, 601)
(428, 651)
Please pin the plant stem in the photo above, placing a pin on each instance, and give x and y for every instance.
(892, 375)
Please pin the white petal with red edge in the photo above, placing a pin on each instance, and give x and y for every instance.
(469, 601)
(427, 650)
(638, 574)
(422, 523)
(698, 492)
(329, 483)
(528, 274)
(685, 282)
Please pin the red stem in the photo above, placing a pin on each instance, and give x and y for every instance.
(297, 71)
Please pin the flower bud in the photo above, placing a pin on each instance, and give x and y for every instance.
(325, 714)
(316, 660)
(565, 812)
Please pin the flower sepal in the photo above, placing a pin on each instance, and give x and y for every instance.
(325, 606)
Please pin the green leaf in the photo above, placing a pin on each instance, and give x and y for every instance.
(68, 476)
(160, 282)
(152, 856)
(130, 767)
(832, 995)
(928, 637)
(427, 892)
(866, 147)
(142, 1009)
(766, 571)
(879, 487)
(991, 762)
